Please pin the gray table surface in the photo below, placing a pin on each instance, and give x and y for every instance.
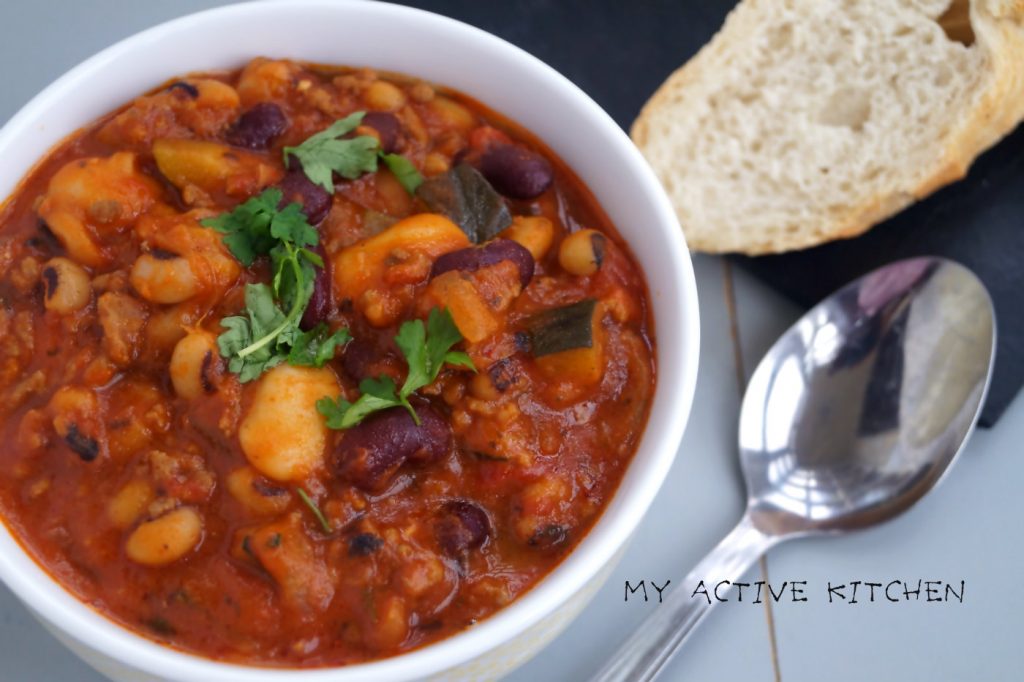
(970, 529)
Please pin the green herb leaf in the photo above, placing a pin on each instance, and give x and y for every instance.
(324, 154)
(308, 501)
(334, 411)
(426, 350)
(459, 359)
(412, 341)
(442, 334)
(246, 340)
(317, 346)
(290, 225)
(377, 394)
(268, 332)
(248, 226)
(403, 169)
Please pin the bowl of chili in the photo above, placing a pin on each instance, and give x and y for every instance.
(571, 272)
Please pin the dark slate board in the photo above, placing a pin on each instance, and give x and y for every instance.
(620, 52)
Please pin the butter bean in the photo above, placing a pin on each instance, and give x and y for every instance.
(282, 435)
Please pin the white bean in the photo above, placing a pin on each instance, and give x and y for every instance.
(129, 503)
(164, 279)
(254, 492)
(67, 287)
(283, 436)
(195, 365)
(166, 538)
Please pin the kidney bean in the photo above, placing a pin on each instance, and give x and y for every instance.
(493, 252)
(358, 359)
(257, 127)
(461, 526)
(515, 171)
(314, 199)
(320, 302)
(387, 126)
(372, 451)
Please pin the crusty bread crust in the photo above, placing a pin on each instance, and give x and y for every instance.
(998, 27)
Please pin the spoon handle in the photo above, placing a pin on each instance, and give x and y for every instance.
(642, 656)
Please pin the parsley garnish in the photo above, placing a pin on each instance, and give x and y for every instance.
(315, 347)
(266, 335)
(426, 350)
(403, 170)
(308, 501)
(256, 226)
(328, 152)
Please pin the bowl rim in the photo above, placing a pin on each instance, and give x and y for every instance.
(49, 599)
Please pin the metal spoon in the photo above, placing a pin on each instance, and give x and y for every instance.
(853, 415)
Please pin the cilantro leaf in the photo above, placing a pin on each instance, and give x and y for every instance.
(317, 346)
(241, 342)
(426, 350)
(249, 226)
(329, 152)
(442, 334)
(412, 341)
(459, 359)
(334, 411)
(290, 225)
(308, 501)
(268, 332)
(403, 170)
(377, 394)
(324, 153)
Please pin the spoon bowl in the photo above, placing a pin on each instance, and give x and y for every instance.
(855, 413)
(862, 405)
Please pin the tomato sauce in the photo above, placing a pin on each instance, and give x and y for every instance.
(223, 517)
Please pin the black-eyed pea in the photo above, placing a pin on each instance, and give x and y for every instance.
(163, 277)
(166, 538)
(77, 418)
(384, 96)
(533, 232)
(257, 493)
(195, 365)
(129, 503)
(582, 253)
(66, 286)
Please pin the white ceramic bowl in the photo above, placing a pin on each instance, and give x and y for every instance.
(393, 38)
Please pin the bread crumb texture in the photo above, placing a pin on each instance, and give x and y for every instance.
(804, 121)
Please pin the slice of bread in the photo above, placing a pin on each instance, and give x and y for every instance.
(804, 121)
